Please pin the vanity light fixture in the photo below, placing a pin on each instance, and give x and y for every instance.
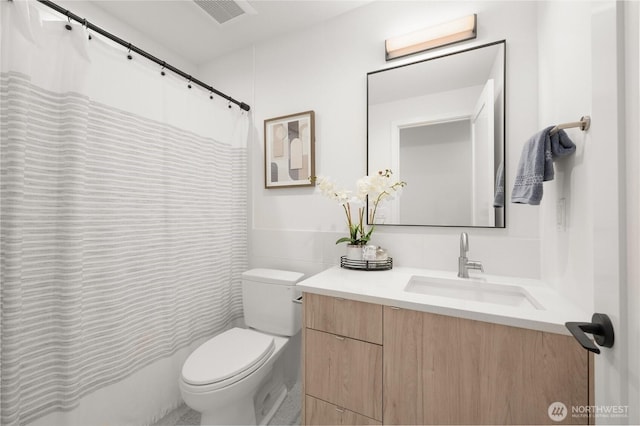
(432, 37)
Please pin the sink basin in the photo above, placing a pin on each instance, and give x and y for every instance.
(473, 290)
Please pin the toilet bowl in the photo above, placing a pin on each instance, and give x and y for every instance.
(237, 377)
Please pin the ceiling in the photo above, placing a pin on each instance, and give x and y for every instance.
(185, 28)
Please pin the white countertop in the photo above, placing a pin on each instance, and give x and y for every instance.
(387, 288)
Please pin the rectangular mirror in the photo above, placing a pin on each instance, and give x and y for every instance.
(438, 124)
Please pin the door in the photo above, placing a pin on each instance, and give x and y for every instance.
(606, 143)
(482, 152)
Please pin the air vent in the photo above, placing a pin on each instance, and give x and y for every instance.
(221, 10)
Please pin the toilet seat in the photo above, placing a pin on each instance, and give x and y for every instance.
(227, 358)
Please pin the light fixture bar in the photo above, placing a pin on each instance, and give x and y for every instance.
(432, 37)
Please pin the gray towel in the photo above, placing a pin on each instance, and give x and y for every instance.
(536, 164)
(498, 200)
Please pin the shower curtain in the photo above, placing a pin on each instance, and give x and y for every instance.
(123, 217)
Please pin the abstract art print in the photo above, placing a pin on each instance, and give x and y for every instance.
(289, 144)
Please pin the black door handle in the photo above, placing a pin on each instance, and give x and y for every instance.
(601, 328)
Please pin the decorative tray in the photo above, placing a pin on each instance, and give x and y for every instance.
(366, 265)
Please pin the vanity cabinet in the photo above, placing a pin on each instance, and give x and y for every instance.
(342, 361)
(447, 370)
(368, 364)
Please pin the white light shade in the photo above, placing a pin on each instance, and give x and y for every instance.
(432, 37)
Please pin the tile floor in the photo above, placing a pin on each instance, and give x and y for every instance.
(287, 415)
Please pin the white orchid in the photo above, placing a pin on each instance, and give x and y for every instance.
(376, 188)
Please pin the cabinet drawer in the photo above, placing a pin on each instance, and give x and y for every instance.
(359, 320)
(344, 372)
(318, 412)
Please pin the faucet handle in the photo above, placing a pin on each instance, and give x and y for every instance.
(472, 264)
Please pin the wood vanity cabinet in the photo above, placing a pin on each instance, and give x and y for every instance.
(368, 364)
(342, 361)
(447, 370)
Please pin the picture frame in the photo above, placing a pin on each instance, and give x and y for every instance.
(289, 150)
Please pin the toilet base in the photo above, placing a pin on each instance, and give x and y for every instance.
(239, 415)
(279, 398)
(232, 414)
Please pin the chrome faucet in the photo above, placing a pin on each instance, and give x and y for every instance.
(464, 264)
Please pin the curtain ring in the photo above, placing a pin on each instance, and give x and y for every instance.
(210, 94)
(68, 24)
(85, 23)
(162, 73)
(129, 52)
(189, 83)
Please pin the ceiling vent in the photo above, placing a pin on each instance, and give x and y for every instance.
(225, 10)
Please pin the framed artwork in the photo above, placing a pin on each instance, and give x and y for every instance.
(289, 150)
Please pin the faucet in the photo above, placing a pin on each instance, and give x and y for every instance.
(464, 264)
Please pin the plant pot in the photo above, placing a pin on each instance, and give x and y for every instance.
(354, 251)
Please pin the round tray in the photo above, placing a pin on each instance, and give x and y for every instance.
(366, 265)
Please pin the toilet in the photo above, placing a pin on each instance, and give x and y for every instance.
(239, 376)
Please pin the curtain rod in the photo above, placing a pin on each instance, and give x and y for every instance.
(139, 51)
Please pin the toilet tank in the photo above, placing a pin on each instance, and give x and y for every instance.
(268, 300)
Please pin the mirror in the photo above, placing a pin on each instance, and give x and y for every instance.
(438, 124)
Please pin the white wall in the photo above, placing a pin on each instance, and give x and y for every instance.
(324, 69)
(567, 251)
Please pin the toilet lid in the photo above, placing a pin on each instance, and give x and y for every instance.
(227, 355)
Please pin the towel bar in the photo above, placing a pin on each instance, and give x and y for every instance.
(584, 124)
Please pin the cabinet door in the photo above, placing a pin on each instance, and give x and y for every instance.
(344, 372)
(471, 372)
(403, 363)
(319, 412)
(359, 320)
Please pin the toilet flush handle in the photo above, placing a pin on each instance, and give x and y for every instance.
(298, 300)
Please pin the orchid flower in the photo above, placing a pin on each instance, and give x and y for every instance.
(376, 188)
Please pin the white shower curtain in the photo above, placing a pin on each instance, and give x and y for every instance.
(123, 220)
